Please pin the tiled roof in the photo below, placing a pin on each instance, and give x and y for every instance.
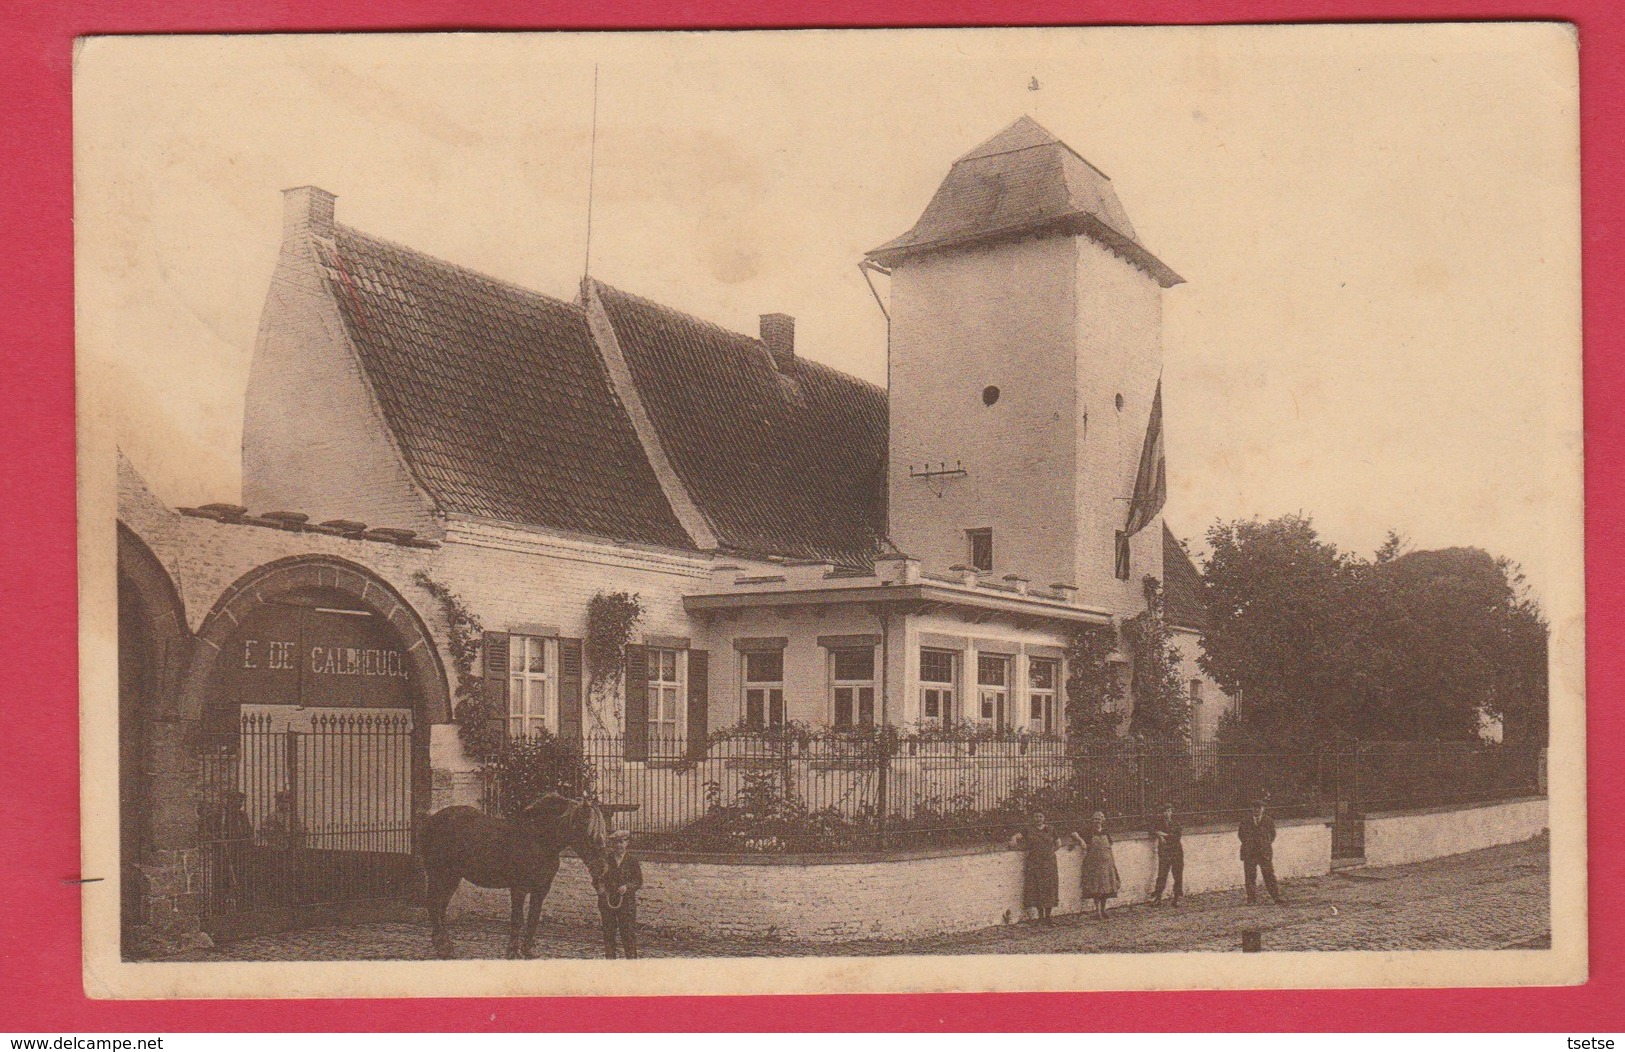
(788, 463)
(1024, 181)
(496, 395)
(1181, 584)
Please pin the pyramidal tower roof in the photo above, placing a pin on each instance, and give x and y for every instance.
(1023, 182)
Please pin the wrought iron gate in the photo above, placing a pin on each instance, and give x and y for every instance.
(300, 818)
(1348, 816)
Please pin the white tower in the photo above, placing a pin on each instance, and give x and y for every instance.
(1026, 351)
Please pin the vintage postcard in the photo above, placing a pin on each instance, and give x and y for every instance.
(768, 512)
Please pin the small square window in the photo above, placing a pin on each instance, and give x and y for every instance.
(981, 549)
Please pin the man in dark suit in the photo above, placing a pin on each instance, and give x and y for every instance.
(1170, 854)
(1257, 832)
(618, 897)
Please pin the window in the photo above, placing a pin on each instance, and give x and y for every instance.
(1196, 692)
(939, 676)
(1042, 674)
(993, 688)
(533, 698)
(981, 549)
(1122, 556)
(854, 686)
(764, 688)
(668, 701)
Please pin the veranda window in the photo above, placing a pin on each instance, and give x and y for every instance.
(993, 688)
(764, 688)
(1042, 674)
(853, 675)
(939, 679)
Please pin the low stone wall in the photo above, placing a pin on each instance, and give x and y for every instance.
(895, 895)
(1394, 838)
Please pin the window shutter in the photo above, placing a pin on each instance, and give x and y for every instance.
(637, 703)
(699, 702)
(494, 680)
(570, 689)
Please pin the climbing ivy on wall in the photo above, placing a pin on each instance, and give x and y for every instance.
(1162, 711)
(477, 728)
(1094, 690)
(611, 617)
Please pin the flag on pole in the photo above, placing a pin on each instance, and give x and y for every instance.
(1151, 483)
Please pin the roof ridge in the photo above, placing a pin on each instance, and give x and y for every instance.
(466, 270)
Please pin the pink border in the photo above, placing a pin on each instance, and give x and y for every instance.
(39, 915)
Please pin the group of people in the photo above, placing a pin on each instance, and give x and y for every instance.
(237, 846)
(1041, 883)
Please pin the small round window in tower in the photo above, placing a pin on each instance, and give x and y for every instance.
(1120, 403)
(990, 395)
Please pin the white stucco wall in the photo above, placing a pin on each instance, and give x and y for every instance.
(1395, 838)
(900, 896)
(1002, 316)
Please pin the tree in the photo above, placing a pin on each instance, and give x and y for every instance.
(1162, 709)
(1444, 637)
(1277, 598)
(1409, 645)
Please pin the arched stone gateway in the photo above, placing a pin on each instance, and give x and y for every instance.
(155, 757)
(314, 685)
(302, 708)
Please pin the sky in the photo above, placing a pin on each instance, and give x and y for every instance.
(1379, 226)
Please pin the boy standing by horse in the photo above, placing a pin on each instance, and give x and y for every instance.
(618, 897)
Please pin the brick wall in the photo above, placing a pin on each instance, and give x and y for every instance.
(903, 896)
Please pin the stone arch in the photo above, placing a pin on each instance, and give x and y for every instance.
(146, 588)
(154, 650)
(306, 573)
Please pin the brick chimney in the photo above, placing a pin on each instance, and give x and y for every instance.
(779, 333)
(307, 210)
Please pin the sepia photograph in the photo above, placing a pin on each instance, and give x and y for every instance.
(831, 511)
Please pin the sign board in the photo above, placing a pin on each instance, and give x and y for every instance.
(316, 657)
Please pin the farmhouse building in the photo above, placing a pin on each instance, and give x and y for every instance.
(426, 447)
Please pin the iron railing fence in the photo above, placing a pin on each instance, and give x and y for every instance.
(307, 815)
(858, 791)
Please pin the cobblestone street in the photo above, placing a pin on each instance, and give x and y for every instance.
(1496, 898)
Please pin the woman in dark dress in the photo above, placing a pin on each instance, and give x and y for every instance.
(1040, 880)
(1100, 879)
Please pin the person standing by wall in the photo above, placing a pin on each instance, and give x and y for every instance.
(1040, 877)
(1257, 833)
(1100, 879)
(618, 897)
(1170, 854)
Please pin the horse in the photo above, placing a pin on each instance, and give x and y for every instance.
(520, 854)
